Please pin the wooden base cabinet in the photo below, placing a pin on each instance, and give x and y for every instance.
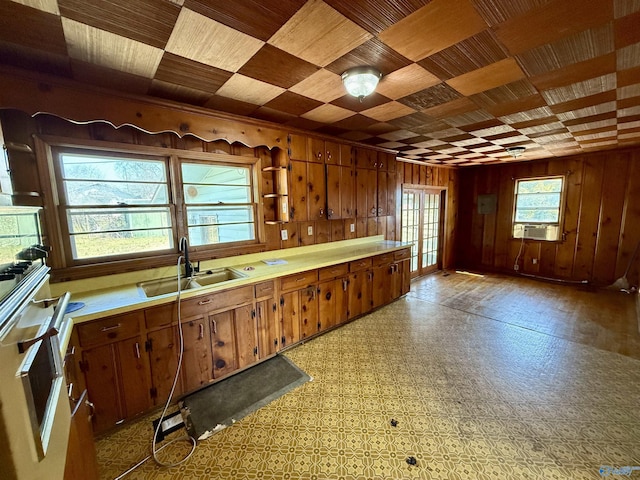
(81, 460)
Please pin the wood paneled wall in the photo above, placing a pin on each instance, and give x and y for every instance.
(448, 178)
(20, 128)
(601, 218)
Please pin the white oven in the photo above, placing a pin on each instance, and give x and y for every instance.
(35, 415)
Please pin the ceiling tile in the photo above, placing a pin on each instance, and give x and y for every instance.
(109, 78)
(576, 72)
(293, 103)
(398, 135)
(583, 102)
(468, 118)
(588, 111)
(249, 90)
(355, 122)
(388, 111)
(373, 53)
(468, 55)
(182, 71)
(49, 6)
(271, 115)
(32, 28)
(328, 114)
(578, 90)
(430, 97)
(590, 119)
(323, 86)
(454, 107)
(257, 18)
(106, 49)
(622, 8)
(551, 119)
(627, 30)
(513, 106)
(629, 57)
(541, 112)
(539, 129)
(225, 104)
(376, 15)
(406, 81)
(449, 21)
(311, 34)
(414, 120)
(272, 65)
(552, 21)
(355, 104)
(33, 59)
(206, 41)
(180, 93)
(492, 76)
(628, 77)
(582, 46)
(499, 11)
(146, 21)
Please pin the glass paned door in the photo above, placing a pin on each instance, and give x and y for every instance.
(422, 226)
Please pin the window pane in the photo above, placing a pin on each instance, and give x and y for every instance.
(210, 225)
(119, 243)
(110, 193)
(206, 174)
(540, 186)
(537, 215)
(111, 169)
(216, 194)
(119, 220)
(539, 200)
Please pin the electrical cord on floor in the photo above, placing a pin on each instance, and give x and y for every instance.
(187, 437)
(516, 263)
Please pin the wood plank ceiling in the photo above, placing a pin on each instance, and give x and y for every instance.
(463, 79)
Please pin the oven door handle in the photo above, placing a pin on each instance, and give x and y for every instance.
(54, 324)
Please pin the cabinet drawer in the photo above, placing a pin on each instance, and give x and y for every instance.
(299, 280)
(402, 254)
(109, 329)
(264, 289)
(162, 315)
(358, 265)
(334, 271)
(382, 259)
(226, 299)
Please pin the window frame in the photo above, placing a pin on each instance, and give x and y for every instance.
(55, 219)
(561, 208)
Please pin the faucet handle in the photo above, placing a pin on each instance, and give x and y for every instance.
(196, 267)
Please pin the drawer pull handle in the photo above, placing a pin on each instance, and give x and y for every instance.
(112, 327)
(301, 279)
(205, 302)
(137, 350)
(215, 326)
(201, 334)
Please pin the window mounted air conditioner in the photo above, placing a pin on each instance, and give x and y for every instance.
(536, 232)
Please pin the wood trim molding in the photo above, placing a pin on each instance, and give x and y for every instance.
(78, 103)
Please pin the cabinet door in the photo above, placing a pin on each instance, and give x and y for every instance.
(297, 147)
(309, 320)
(360, 284)
(222, 343)
(382, 192)
(289, 318)
(165, 348)
(405, 272)
(196, 363)
(268, 336)
(347, 192)
(382, 281)
(332, 153)
(298, 191)
(334, 208)
(246, 330)
(347, 156)
(316, 191)
(81, 449)
(134, 375)
(366, 193)
(316, 150)
(333, 302)
(101, 376)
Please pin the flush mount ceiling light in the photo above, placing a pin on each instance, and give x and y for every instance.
(361, 81)
(515, 152)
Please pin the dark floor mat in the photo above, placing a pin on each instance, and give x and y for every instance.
(221, 404)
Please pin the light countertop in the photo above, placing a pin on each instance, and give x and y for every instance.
(115, 294)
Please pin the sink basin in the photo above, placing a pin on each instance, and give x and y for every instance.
(211, 277)
(162, 286)
(153, 288)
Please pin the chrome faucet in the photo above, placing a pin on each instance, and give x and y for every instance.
(184, 248)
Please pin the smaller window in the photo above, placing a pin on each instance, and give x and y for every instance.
(537, 210)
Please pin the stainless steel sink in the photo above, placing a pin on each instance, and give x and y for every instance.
(162, 286)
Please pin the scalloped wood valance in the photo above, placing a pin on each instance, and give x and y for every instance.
(79, 103)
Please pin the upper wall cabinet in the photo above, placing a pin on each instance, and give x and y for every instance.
(297, 147)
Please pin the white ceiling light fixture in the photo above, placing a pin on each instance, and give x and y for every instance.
(361, 81)
(515, 152)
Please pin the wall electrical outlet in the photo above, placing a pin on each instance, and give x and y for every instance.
(352, 227)
(309, 230)
(516, 267)
(284, 235)
(534, 260)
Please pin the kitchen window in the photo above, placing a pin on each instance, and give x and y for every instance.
(538, 208)
(114, 204)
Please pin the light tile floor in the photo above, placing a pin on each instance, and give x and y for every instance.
(474, 398)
